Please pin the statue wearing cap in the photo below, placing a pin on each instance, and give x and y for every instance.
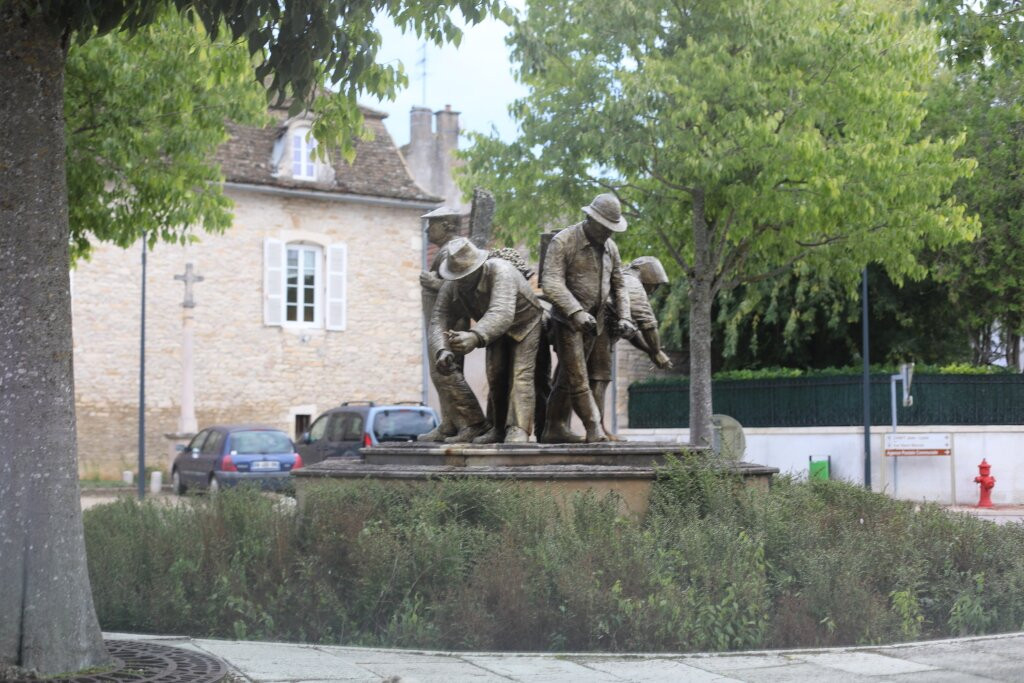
(462, 419)
(641, 277)
(582, 270)
(493, 292)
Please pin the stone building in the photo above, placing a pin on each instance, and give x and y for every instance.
(311, 298)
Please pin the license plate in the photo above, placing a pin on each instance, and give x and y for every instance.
(266, 466)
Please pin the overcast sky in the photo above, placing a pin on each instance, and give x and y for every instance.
(475, 79)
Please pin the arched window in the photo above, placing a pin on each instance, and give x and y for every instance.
(303, 144)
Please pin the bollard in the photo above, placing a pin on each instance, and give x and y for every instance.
(987, 481)
(128, 476)
(156, 482)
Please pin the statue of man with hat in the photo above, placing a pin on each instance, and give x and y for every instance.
(461, 416)
(642, 278)
(582, 270)
(494, 293)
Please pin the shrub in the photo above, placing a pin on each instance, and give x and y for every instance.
(461, 564)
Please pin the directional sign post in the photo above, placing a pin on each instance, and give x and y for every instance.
(917, 444)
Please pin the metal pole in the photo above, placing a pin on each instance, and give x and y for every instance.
(424, 353)
(895, 459)
(142, 379)
(867, 378)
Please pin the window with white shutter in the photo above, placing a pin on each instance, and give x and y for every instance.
(305, 285)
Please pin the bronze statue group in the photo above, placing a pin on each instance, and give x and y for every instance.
(474, 298)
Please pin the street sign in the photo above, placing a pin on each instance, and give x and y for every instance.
(918, 444)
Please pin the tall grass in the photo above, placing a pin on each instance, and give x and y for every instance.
(482, 565)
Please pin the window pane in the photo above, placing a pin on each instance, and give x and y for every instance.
(291, 313)
(293, 258)
(309, 170)
(261, 442)
(292, 294)
(309, 260)
(297, 147)
(309, 281)
(309, 314)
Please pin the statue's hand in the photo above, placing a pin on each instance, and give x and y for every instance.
(584, 322)
(626, 329)
(445, 362)
(462, 342)
(431, 281)
(661, 359)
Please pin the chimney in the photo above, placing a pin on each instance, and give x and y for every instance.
(419, 153)
(447, 142)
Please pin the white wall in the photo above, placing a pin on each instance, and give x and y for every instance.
(943, 479)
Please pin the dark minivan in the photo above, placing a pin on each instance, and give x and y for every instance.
(342, 431)
(228, 455)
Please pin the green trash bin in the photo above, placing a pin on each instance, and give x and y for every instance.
(819, 469)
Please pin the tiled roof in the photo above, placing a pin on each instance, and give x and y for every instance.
(377, 171)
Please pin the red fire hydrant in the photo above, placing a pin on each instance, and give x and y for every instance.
(987, 481)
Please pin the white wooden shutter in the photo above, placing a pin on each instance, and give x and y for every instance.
(273, 282)
(337, 267)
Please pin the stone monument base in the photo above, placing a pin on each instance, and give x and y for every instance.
(627, 469)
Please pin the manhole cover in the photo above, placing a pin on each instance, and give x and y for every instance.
(146, 662)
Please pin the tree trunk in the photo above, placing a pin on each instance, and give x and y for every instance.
(700, 328)
(47, 619)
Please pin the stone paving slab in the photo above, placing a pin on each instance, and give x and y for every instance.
(656, 671)
(285, 662)
(540, 669)
(866, 663)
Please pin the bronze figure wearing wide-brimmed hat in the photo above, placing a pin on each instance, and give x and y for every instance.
(493, 292)
(582, 271)
(462, 419)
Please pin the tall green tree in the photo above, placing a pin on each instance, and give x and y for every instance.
(742, 138)
(297, 48)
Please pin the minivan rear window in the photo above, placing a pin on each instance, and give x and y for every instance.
(401, 424)
(261, 442)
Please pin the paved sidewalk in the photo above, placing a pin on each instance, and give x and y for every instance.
(987, 658)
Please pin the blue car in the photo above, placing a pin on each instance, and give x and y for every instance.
(228, 455)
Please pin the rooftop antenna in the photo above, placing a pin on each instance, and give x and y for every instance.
(422, 63)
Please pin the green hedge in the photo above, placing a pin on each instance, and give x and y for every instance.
(456, 565)
(833, 401)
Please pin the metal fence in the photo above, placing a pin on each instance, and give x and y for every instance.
(837, 401)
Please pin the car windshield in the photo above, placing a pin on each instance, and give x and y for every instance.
(402, 424)
(261, 442)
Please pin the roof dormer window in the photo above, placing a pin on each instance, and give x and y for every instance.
(303, 145)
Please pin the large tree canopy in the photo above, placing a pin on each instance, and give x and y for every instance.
(145, 115)
(298, 48)
(742, 138)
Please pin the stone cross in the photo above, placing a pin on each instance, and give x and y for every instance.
(189, 278)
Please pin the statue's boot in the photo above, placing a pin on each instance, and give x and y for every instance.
(599, 388)
(516, 435)
(438, 433)
(470, 433)
(492, 435)
(584, 405)
(556, 422)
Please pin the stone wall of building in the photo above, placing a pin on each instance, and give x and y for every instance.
(245, 371)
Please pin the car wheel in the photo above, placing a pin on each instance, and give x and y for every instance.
(214, 485)
(176, 484)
